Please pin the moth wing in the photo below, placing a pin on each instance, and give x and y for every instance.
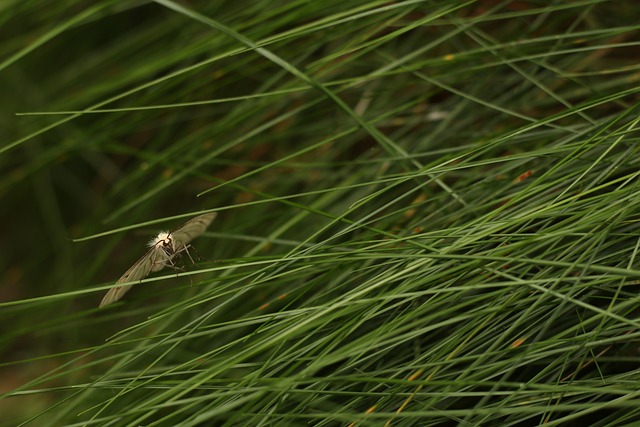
(191, 229)
(138, 271)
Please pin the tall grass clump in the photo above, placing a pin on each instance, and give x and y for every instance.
(427, 212)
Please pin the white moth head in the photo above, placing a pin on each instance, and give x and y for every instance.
(162, 239)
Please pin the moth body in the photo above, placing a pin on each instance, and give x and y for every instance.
(163, 238)
(162, 249)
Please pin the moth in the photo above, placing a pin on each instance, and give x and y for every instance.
(162, 249)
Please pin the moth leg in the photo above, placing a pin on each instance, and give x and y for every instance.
(185, 248)
(198, 256)
(179, 254)
(171, 264)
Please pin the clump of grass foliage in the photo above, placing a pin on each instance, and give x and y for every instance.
(428, 212)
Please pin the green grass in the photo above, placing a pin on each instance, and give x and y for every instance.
(428, 213)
